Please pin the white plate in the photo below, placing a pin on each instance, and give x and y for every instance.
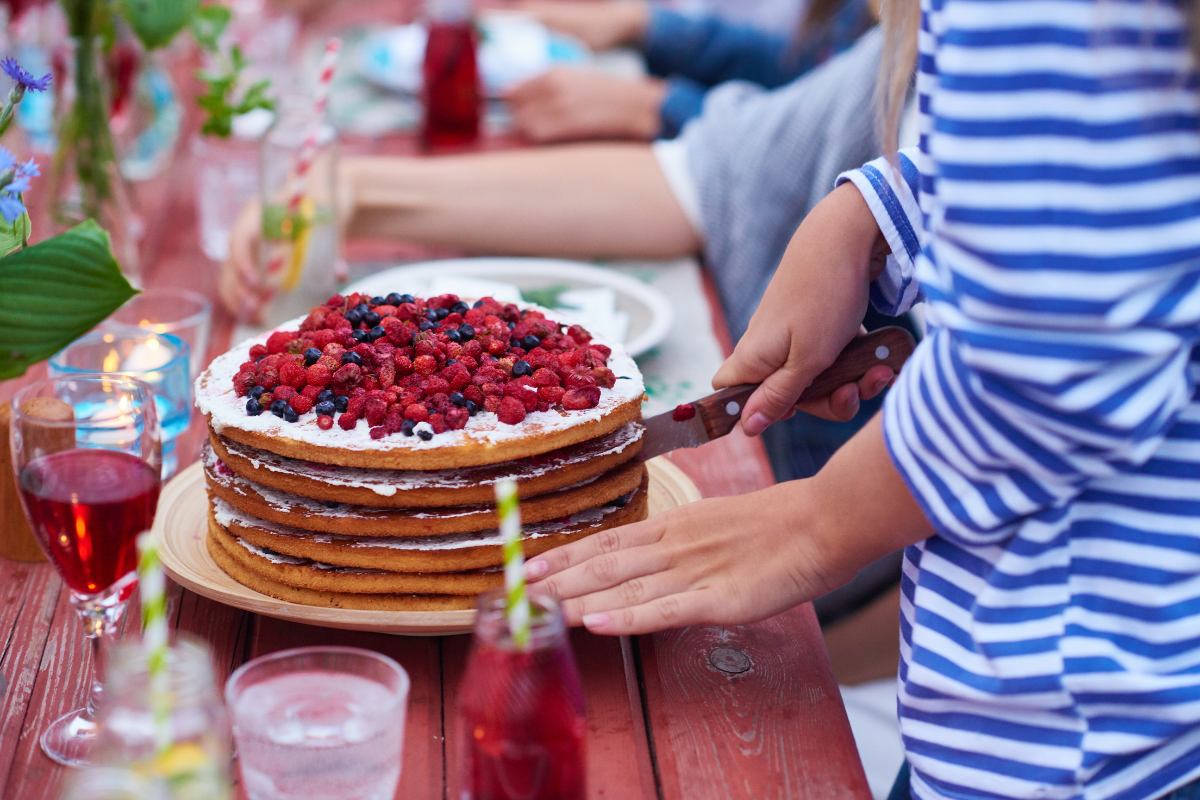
(650, 313)
(515, 48)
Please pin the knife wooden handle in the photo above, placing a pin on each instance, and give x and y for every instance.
(891, 346)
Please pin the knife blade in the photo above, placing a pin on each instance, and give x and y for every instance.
(701, 421)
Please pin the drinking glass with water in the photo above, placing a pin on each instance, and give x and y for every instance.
(319, 723)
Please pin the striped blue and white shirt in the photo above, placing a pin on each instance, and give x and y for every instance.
(1049, 425)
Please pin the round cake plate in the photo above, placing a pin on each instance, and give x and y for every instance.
(181, 528)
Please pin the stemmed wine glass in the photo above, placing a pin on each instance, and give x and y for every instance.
(87, 456)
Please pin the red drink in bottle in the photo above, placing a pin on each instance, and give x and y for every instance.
(522, 713)
(451, 90)
(86, 508)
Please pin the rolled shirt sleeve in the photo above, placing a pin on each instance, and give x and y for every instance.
(891, 193)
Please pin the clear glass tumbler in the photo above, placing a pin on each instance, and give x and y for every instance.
(226, 180)
(160, 360)
(178, 312)
(521, 710)
(319, 723)
(299, 254)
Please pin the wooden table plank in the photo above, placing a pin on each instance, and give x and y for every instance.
(30, 597)
(61, 684)
(746, 712)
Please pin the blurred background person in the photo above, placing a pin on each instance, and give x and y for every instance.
(686, 54)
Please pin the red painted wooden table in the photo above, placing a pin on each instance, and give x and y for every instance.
(698, 713)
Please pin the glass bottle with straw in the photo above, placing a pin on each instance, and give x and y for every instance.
(299, 256)
(164, 734)
(522, 722)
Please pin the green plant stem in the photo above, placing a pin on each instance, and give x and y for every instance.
(6, 116)
(85, 135)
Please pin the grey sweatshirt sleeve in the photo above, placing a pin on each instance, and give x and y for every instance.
(761, 160)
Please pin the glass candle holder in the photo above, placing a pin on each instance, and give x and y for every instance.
(299, 253)
(319, 722)
(160, 360)
(187, 315)
(521, 709)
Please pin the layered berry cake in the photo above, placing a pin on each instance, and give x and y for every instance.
(353, 454)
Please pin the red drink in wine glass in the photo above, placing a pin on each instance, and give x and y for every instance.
(451, 77)
(86, 507)
(521, 710)
(87, 453)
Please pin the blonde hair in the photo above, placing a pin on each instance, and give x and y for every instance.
(901, 21)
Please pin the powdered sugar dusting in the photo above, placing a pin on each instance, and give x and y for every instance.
(215, 396)
(386, 482)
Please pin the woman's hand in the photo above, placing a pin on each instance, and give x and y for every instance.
(812, 309)
(700, 563)
(571, 104)
(735, 560)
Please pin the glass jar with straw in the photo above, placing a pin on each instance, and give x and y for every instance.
(179, 741)
(299, 255)
(521, 707)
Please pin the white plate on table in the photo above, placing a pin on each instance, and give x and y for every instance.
(649, 312)
(514, 48)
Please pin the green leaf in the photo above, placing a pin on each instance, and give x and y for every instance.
(54, 292)
(157, 21)
(14, 235)
(208, 24)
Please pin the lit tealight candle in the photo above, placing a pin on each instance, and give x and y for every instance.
(147, 355)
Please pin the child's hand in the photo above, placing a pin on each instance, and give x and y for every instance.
(239, 285)
(812, 309)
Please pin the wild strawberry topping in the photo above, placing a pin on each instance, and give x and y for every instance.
(404, 364)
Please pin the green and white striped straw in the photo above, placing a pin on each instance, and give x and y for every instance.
(516, 606)
(153, 586)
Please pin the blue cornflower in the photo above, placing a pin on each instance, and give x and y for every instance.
(11, 207)
(18, 181)
(23, 78)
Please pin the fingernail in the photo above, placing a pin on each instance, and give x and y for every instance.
(537, 568)
(756, 424)
(595, 622)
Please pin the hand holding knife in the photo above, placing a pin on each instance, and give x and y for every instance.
(701, 421)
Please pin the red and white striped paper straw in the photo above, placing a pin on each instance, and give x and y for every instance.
(308, 150)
